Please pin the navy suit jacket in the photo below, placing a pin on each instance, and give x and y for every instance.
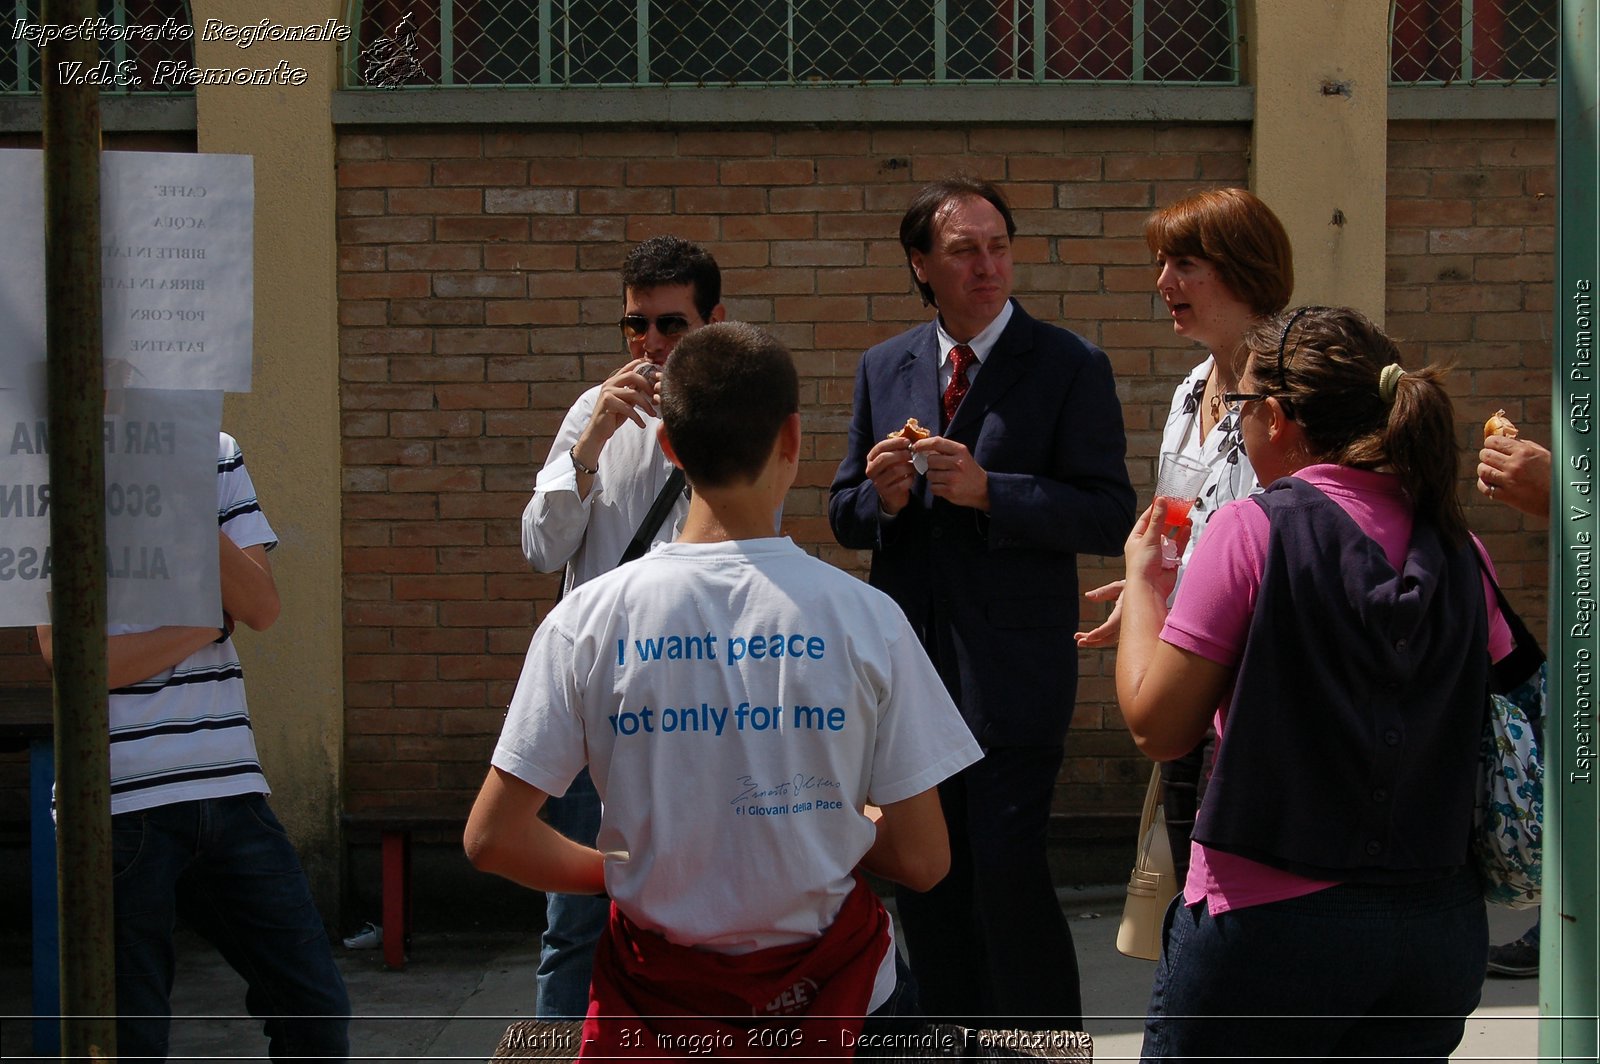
(994, 597)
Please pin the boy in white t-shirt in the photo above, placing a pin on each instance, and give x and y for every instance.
(739, 704)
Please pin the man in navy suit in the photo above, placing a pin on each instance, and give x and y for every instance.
(975, 532)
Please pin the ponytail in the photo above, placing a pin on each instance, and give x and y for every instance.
(1357, 407)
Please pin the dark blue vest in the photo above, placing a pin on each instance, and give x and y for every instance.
(1350, 748)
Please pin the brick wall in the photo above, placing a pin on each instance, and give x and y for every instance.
(1471, 264)
(478, 296)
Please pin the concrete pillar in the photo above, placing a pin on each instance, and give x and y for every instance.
(1320, 69)
(288, 425)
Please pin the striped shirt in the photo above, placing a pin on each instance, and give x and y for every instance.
(184, 734)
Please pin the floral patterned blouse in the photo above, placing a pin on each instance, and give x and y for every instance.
(1222, 451)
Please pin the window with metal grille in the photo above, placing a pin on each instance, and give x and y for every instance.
(1443, 42)
(592, 43)
(135, 37)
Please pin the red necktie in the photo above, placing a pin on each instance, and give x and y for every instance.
(961, 357)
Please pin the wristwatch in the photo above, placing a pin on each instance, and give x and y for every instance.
(572, 453)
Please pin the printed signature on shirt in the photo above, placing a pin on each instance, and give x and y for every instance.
(748, 789)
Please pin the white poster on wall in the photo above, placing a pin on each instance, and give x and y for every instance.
(176, 254)
(161, 509)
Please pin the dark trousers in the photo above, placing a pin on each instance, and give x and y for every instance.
(226, 866)
(989, 943)
(1363, 972)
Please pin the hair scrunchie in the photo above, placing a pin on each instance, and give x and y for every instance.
(1389, 380)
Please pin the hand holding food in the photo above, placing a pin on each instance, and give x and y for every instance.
(1513, 470)
(1499, 425)
(911, 432)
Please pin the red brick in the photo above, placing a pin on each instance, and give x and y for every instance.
(360, 203)
(484, 452)
(819, 199)
(632, 143)
(382, 174)
(914, 141)
(361, 258)
(479, 667)
(532, 312)
(504, 229)
(436, 368)
(436, 201)
(440, 694)
(481, 172)
(388, 560)
(436, 422)
(480, 286)
(455, 587)
(937, 167)
(480, 341)
(1076, 168)
(575, 230)
(393, 614)
(383, 341)
(434, 257)
(362, 667)
(437, 312)
(767, 172)
(814, 143)
(817, 253)
(674, 172)
(1476, 184)
(625, 201)
(359, 146)
(439, 533)
(530, 201)
(435, 145)
(698, 227)
(481, 396)
(385, 230)
(505, 506)
(382, 285)
(864, 169)
(530, 256)
(539, 145)
(716, 200)
(500, 614)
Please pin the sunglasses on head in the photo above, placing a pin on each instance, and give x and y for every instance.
(634, 326)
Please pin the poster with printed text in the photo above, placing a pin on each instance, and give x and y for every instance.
(161, 509)
(176, 244)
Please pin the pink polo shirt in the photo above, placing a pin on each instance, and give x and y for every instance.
(1211, 618)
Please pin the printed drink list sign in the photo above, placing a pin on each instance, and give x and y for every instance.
(176, 260)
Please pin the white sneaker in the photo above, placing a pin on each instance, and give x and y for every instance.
(369, 937)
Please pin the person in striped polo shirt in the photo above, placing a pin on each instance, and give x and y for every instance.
(192, 835)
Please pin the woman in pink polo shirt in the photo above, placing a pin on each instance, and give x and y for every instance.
(1338, 629)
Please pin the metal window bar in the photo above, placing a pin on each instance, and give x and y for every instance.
(594, 43)
(19, 69)
(1473, 42)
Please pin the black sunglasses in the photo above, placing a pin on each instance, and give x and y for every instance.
(1233, 400)
(634, 326)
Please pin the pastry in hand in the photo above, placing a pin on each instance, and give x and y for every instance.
(911, 431)
(1499, 425)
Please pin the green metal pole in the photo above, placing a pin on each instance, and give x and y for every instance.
(78, 543)
(1570, 916)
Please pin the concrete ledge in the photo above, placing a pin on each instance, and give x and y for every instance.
(118, 114)
(1053, 103)
(1472, 102)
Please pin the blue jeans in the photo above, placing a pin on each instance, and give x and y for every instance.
(573, 922)
(228, 869)
(1352, 971)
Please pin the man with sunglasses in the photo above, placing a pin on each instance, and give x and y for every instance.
(605, 494)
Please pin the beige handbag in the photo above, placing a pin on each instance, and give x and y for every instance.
(1152, 883)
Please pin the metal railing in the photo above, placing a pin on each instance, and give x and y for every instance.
(136, 37)
(1448, 42)
(617, 43)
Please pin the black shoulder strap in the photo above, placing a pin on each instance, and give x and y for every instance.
(659, 509)
(1513, 670)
